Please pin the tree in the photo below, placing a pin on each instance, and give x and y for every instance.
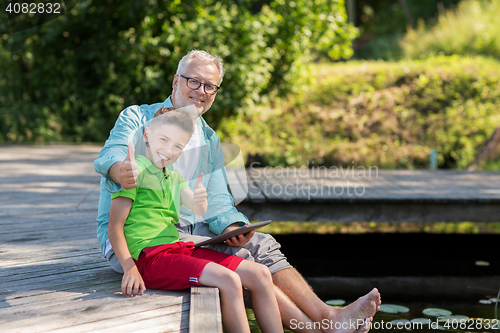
(69, 78)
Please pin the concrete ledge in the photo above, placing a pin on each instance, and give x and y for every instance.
(412, 288)
(372, 212)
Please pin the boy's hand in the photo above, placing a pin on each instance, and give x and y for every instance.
(200, 192)
(132, 282)
(128, 169)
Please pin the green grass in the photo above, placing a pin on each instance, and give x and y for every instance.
(373, 113)
(472, 29)
(283, 228)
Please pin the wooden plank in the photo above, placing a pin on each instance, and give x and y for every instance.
(204, 317)
(269, 185)
(74, 301)
(20, 273)
(255, 188)
(50, 295)
(55, 280)
(239, 190)
(54, 277)
(17, 255)
(163, 323)
(98, 312)
(89, 285)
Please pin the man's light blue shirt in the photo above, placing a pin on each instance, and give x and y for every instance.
(221, 211)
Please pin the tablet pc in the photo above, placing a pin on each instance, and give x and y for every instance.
(242, 230)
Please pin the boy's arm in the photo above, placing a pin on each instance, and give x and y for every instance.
(132, 282)
(197, 200)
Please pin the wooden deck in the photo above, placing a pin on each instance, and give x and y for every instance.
(369, 195)
(53, 277)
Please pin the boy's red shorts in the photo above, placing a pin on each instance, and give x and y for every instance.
(179, 265)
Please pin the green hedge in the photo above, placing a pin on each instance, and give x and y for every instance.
(389, 115)
(68, 79)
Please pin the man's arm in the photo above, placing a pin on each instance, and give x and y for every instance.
(112, 160)
(132, 282)
(125, 173)
(222, 215)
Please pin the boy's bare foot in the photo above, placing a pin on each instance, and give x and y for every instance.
(355, 317)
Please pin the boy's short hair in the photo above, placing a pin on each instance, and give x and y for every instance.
(172, 116)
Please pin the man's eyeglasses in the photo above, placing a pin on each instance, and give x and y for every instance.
(194, 84)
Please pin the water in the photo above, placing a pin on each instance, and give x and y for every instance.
(475, 311)
(419, 255)
(382, 321)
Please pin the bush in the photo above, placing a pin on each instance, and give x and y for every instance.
(389, 115)
(383, 24)
(69, 78)
(472, 29)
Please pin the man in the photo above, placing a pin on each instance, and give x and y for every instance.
(196, 83)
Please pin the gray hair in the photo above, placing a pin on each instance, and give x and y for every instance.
(201, 55)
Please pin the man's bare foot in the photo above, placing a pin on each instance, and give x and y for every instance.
(354, 317)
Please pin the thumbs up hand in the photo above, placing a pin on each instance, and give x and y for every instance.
(128, 169)
(200, 196)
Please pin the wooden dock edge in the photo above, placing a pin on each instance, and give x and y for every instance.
(205, 314)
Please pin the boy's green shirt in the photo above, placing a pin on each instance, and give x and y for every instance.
(155, 207)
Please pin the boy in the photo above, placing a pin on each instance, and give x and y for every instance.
(145, 240)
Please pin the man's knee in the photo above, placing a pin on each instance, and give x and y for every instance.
(266, 250)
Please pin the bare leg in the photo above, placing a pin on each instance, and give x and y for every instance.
(234, 317)
(292, 317)
(297, 289)
(257, 278)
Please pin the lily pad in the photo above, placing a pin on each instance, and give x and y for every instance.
(335, 302)
(393, 308)
(397, 321)
(436, 312)
(482, 263)
(424, 321)
(453, 318)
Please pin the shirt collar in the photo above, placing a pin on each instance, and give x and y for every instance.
(168, 101)
(148, 165)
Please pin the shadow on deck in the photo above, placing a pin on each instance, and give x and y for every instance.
(53, 275)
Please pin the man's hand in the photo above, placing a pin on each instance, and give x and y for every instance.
(128, 169)
(132, 282)
(240, 240)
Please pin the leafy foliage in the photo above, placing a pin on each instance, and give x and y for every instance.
(382, 24)
(389, 115)
(472, 29)
(68, 79)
